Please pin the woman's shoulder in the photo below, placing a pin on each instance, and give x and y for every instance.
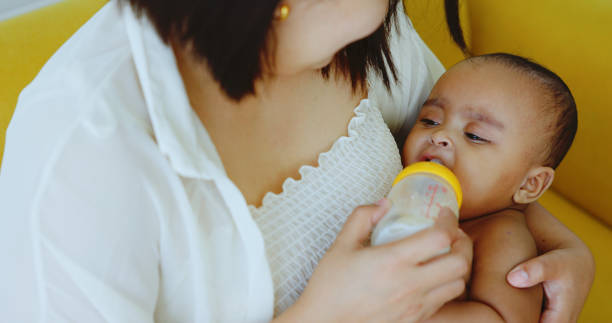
(84, 123)
(84, 79)
(59, 109)
(88, 92)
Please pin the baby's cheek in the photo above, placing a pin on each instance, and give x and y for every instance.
(413, 144)
(405, 153)
(474, 196)
(468, 198)
(485, 194)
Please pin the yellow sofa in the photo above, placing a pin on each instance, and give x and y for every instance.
(570, 37)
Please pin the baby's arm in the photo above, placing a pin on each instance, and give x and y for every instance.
(501, 241)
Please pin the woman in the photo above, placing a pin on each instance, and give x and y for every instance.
(157, 153)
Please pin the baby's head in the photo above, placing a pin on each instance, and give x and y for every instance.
(502, 124)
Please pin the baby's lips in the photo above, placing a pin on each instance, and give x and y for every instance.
(432, 158)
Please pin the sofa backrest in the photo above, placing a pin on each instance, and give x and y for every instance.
(572, 38)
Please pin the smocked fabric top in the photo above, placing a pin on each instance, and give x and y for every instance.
(299, 224)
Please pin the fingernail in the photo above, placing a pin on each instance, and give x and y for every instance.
(519, 277)
(382, 209)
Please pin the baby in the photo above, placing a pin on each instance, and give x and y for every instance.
(502, 124)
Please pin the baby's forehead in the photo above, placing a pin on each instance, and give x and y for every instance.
(533, 88)
(518, 74)
(480, 63)
(489, 78)
(487, 89)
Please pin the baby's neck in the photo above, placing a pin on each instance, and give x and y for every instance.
(463, 218)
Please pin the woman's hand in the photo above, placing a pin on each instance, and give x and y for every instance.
(465, 247)
(389, 283)
(566, 269)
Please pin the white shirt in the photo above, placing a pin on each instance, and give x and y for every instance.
(115, 204)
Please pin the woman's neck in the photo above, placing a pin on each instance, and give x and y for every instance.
(290, 121)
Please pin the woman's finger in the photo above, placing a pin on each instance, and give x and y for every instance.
(426, 244)
(442, 270)
(447, 219)
(555, 316)
(565, 293)
(443, 294)
(558, 309)
(421, 246)
(359, 224)
(534, 271)
(464, 246)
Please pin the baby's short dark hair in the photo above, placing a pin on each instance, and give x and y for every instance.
(560, 100)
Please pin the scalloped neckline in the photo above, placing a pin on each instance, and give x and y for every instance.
(359, 113)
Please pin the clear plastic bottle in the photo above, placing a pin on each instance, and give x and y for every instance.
(417, 195)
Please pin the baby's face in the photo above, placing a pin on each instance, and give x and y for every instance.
(481, 120)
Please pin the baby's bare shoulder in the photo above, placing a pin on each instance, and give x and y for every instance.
(506, 233)
(502, 242)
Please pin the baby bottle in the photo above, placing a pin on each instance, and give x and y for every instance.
(418, 194)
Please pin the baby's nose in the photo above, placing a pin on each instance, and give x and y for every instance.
(441, 140)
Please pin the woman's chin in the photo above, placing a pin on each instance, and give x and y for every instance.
(323, 63)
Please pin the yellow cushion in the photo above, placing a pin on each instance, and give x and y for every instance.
(28, 41)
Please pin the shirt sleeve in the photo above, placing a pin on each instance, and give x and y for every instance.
(93, 234)
(417, 70)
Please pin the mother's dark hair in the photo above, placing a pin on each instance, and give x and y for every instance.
(230, 35)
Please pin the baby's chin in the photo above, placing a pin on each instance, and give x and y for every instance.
(474, 209)
(467, 214)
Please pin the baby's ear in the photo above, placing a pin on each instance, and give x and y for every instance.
(536, 182)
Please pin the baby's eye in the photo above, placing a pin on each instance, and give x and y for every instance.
(429, 122)
(476, 138)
